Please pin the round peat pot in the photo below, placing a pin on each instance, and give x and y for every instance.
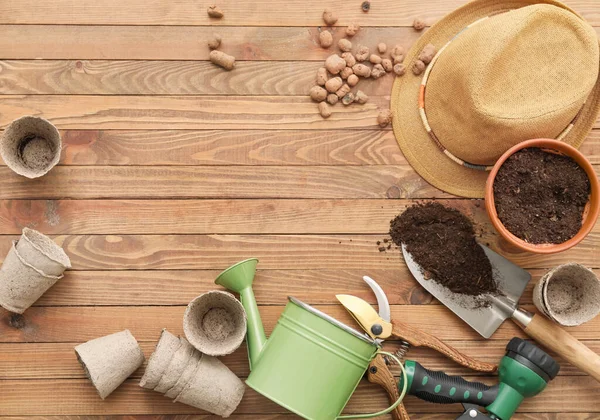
(311, 363)
(30, 146)
(591, 210)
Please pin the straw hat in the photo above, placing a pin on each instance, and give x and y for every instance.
(506, 71)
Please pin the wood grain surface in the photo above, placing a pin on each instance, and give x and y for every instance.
(172, 169)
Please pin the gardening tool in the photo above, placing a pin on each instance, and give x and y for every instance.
(312, 363)
(485, 319)
(524, 372)
(380, 326)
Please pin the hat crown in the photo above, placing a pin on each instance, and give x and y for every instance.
(518, 75)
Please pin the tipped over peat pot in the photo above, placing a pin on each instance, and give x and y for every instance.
(589, 213)
(213, 388)
(32, 266)
(109, 360)
(568, 294)
(30, 146)
(160, 359)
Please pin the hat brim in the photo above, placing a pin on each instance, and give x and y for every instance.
(416, 145)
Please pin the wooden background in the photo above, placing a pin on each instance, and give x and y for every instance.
(174, 169)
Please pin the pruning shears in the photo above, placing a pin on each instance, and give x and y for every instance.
(379, 326)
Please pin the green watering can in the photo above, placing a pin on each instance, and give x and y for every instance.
(312, 363)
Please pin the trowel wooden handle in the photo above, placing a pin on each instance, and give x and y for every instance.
(418, 338)
(379, 374)
(553, 337)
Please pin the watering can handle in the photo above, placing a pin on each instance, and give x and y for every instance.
(395, 404)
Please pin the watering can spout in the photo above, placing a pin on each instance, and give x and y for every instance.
(238, 278)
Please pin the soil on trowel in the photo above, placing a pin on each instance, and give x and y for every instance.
(540, 196)
(442, 241)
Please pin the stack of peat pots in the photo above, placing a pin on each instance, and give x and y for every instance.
(186, 370)
(33, 265)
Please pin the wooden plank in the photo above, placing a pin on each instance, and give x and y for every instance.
(243, 147)
(248, 216)
(220, 182)
(58, 361)
(189, 112)
(236, 147)
(78, 324)
(246, 43)
(105, 77)
(113, 288)
(78, 397)
(421, 416)
(273, 13)
(297, 252)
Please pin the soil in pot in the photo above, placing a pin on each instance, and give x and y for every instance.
(540, 196)
(442, 241)
(36, 152)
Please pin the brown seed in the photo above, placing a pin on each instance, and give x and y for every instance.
(382, 48)
(350, 60)
(429, 51)
(387, 64)
(324, 110)
(377, 71)
(346, 73)
(317, 93)
(343, 91)
(214, 12)
(361, 70)
(360, 97)
(348, 98)
(384, 117)
(362, 54)
(397, 54)
(221, 59)
(333, 84)
(325, 39)
(419, 24)
(399, 69)
(375, 59)
(332, 99)
(335, 64)
(214, 42)
(344, 45)
(418, 67)
(365, 6)
(352, 80)
(322, 76)
(329, 17)
(352, 29)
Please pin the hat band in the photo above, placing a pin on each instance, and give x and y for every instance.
(425, 121)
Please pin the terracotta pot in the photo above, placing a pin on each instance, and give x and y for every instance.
(590, 213)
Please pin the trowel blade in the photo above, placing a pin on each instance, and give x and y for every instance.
(485, 319)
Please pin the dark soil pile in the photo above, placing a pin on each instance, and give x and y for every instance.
(442, 242)
(540, 196)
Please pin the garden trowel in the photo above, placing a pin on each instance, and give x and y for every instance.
(487, 317)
